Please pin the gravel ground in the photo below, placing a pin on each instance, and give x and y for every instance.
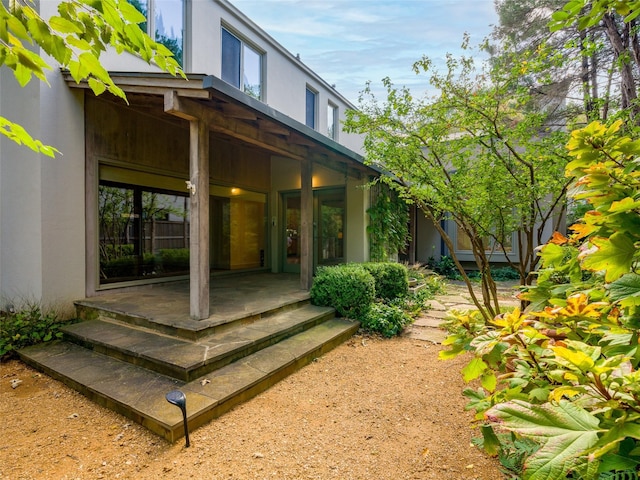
(370, 409)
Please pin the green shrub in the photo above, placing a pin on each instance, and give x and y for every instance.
(391, 279)
(26, 327)
(350, 289)
(386, 319)
(445, 267)
(504, 273)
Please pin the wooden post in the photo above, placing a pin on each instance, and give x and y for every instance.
(199, 228)
(306, 225)
(199, 189)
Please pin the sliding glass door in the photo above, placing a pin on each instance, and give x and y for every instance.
(328, 228)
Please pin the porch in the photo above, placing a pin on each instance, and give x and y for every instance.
(133, 347)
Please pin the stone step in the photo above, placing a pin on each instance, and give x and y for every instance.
(186, 359)
(167, 321)
(139, 393)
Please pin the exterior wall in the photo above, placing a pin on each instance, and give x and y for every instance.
(20, 197)
(427, 240)
(62, 190)
(357, 239)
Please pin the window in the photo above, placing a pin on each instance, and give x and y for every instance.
(332, 121)
(310, 118)
(144, 232)
(165, 23)
(241, 65)
(464, 249)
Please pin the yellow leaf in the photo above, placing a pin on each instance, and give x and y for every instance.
(581, 360)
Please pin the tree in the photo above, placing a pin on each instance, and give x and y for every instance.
(75, 39)
(479, 153)
(617, 21)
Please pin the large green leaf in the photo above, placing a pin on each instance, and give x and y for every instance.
(565, 431)
(614, 256)
(625, 287)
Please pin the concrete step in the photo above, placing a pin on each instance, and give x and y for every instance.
(139, 393)
(186, 359)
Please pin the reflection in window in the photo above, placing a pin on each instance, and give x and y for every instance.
(330, 241)
(165, 23)
(241, 65)
(463, 242)
(310, 118)
(332, 121)
(143, 233)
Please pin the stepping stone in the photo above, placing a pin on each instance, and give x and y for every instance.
(428, 322)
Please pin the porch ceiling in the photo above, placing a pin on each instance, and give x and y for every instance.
(232, 114)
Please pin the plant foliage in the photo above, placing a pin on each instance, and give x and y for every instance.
(350, 289)
(565, 372)
(25, 327)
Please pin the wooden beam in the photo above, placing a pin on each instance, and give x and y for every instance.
(306, 225)
(219, 123)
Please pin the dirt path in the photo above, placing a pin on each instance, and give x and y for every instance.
(370, 409)
(374, 409)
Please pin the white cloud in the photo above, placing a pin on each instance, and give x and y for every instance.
(350, 42)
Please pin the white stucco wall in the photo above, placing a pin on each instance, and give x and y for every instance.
(20, 197)
(63, 193)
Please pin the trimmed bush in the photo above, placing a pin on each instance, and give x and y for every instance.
(392, 279)
(350, 289)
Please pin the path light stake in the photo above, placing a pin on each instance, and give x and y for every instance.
(177, 398)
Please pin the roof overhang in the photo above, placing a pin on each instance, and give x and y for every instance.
(231, 113)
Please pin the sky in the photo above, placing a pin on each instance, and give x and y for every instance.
(350, 42)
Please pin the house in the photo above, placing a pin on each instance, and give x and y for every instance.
(237, 169)
(156, 206)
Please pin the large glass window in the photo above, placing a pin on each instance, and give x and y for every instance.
(310, 118)
(144, 233)
(241, 65)
(165, 23)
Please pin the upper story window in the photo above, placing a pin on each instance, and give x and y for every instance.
(241, 65)
(165, 23)
(311, 102)
(332, 121)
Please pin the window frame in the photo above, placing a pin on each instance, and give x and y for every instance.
(244, 45)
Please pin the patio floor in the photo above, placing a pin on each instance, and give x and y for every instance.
(232, 298)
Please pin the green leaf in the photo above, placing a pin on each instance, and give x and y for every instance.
(624, 205)
(552, 254)
(473, 369)
(489, 381)
(63, 25)
(490, 441)
(565, 431)
(626, 286)
(614, 256)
